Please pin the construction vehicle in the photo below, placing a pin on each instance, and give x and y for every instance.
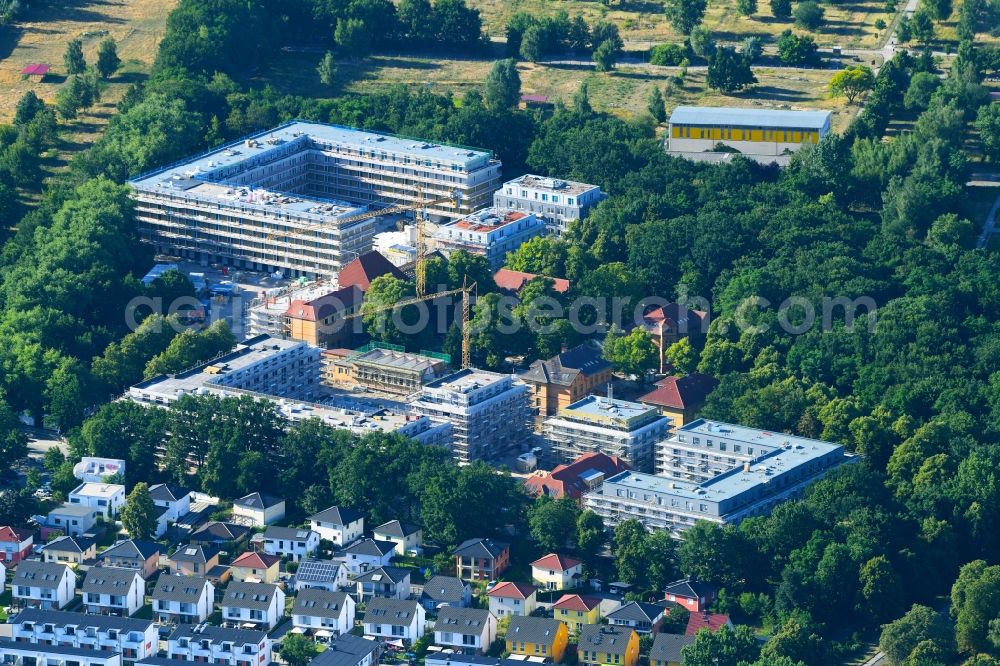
(420, 268)
(465, 290)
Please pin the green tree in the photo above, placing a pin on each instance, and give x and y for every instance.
(809, 15)
(683, 356)
(753, 48)
(656, 105)
(726, 647)
(297, 650)
(922, 25)
(591, 534)
(353, 37)
(702, 42)
(630, 551)
(73, 57)
(904, 29)
(532, 46)
(553, 522)
(605, 56)
(939, 10)
(684, 15)
(852, 82)
(13, 442)
(503, 85)
(70, 98)
(632, 354)
(796, 50)
(977, 592)
(781, 9)
(988, 126)
(729, 71)
(881, 590)
(920, 623)
(28, 106)
(139, 515)
(327, 70)
(108, 61)
(190, 348)
(921, 90)
(746, 7)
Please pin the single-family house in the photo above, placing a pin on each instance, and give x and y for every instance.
(260, 604)
(339, 525)
(290, 542)
(144, 556)
(557, 572)
(318, 610)
(467, 630)
(393, 619)
(442, 591)
(71, 519)
(666, 650)
(95, 470)
(349, 650)
(221, 534)
(193, 560)
(183, 599)
(69, 550)
(408, 538)
(330, 575)
(107, 499)
(481, 559)
(113, 591)
(46, 585)
(645, 618)
(176, 500)
(367, 554)
(606, 645)
(537, 637)
(15, 544)
(258, 510)
(691, 594)
(131, 639)
(705, 620)
(509, 598)
(576, 611)
(193, 643)
(255, 568)
(391, 582)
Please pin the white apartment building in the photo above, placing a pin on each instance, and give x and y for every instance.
(27, 653)
(227, 204)
(46, 585)
(183, 599)
(106, 499)
(466, 630)
(392, 619)
(319, 610)
(606, 425)
(260, 604)
(339, 525)
(94, 469)
(290, 542)
(131, 639)
(113, 591)
(558, 202)
(219, 645)
(490, 413)
(490, 233)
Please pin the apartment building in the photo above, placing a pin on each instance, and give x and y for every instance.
(557, 202)
(132, 639)
(490, 233)
(233, 203)
(380, 367)
(313, 314)
(219, 645)
(489, 412)
(618, 428)
(567, 377)
(736, 472)
(26, 653)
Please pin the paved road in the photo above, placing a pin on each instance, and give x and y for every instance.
(989, 226)
(41, 440)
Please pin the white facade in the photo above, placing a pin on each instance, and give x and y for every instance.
(469, 630)
(176, 507)
(261, 604)
(558, 202)
(94, 469)
(113, 591)
(72, 519)
(490, 233)
(56, 655)
(183, 599)
(43, 584)
(219, 645)
(391, 619)
(513, 605)
(291, 543)
(317, 610)
(368, 554)
(330, 526)
(134, 639)
(104, 498)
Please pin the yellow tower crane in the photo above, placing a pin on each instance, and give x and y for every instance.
(465, 290)
(420, 268)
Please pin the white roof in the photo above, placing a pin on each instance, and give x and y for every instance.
(736, 117)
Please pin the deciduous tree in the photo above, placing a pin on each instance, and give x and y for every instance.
(139, 515)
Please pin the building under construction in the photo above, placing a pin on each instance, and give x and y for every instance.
(386, 368)
(294, 198)
(489, 413)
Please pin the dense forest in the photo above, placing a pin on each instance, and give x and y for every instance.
(913, 386)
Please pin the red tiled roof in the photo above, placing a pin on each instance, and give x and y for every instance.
(362, 270)
(35, 69)
(340, 301)
(14, 535)
(534, 98)
(688, 392)
(711, 621)
(253, 560)
(510, 280)
(509, 590)
(577, 603)
(675, 317)
(556, 561)
(567, 481)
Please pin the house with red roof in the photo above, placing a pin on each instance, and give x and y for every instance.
(320, 321)
(255, 568)
(580, 476)
(680, 398)
(711, 621)
(557, 572)
(15, 544)
(513, 281)
(366, 267)
(669, 323)
(517, 599)
(576, 610)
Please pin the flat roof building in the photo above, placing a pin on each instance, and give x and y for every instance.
(695, 129)
(490, 233)
(557, 202)
(232, 203)
(312, 313)
(779, 468)
(595, 424)
(380, 367)
(489, 412)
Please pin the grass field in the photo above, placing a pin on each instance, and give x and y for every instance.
(642, 22)
(136, 25)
